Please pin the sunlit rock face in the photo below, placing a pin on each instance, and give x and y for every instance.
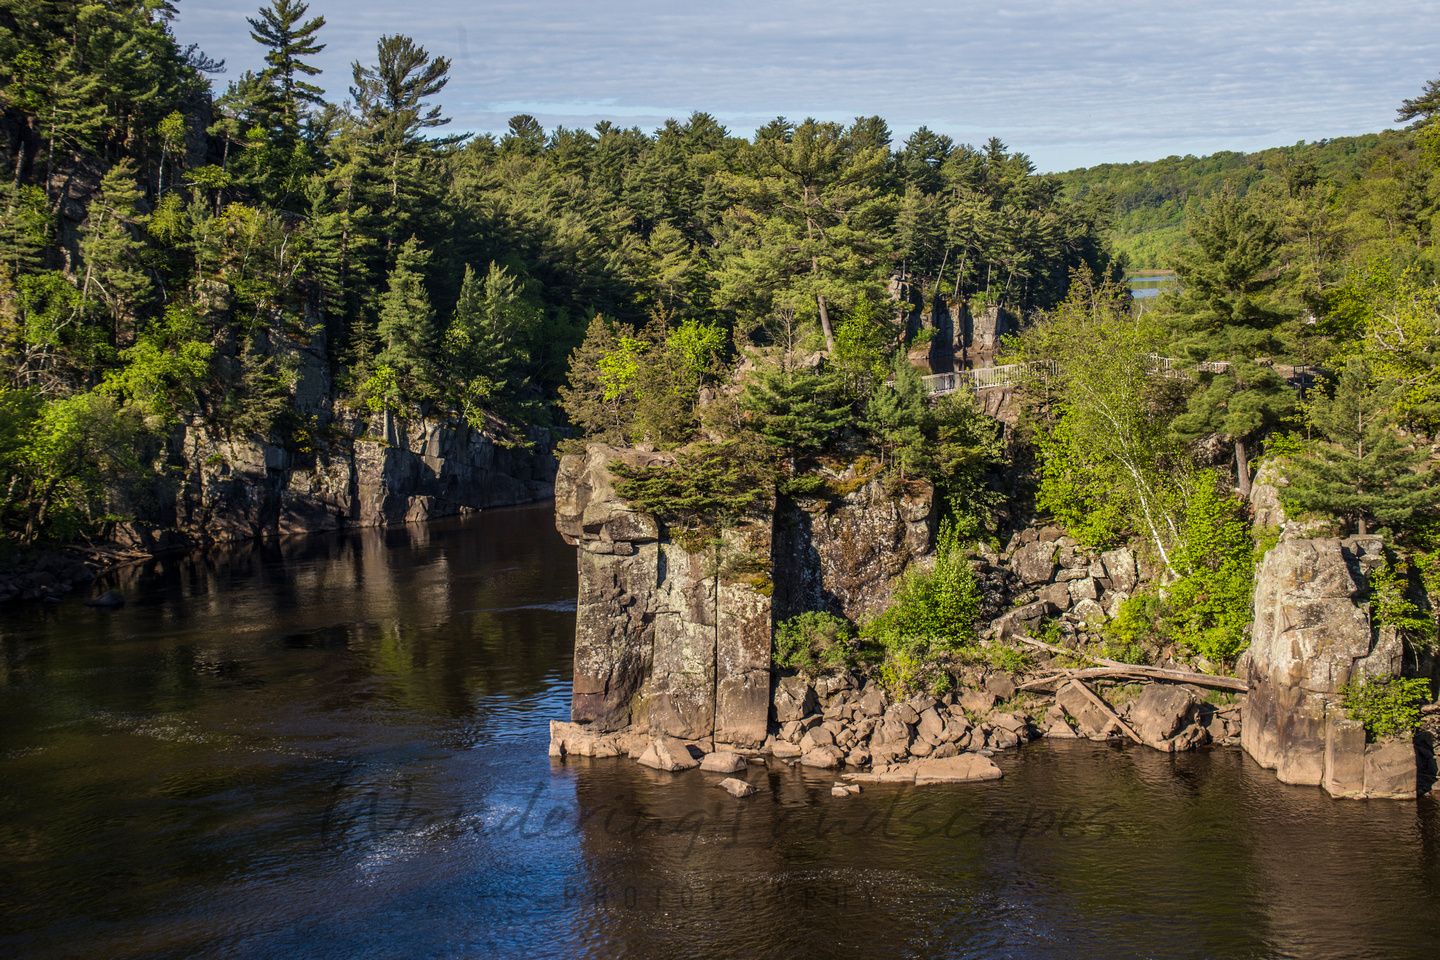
(679, 641)
(1312, 635)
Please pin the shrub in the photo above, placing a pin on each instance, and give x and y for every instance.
(931, 617)
(814, 640)
(1387, 706)
(1136, 623)
(1207, 610)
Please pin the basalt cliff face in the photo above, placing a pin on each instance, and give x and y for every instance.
(678, 642)
(367, 471)
(1313, 633)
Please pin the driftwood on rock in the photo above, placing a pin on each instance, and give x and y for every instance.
(1114, 668)
(1105, 708)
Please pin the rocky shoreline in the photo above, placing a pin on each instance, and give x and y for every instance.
(367, 470)
(673, 660)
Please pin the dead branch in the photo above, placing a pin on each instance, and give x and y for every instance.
(1114, 668)
(1095, 698)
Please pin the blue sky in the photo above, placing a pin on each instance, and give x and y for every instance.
(1070, 83)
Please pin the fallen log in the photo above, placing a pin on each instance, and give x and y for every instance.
(1100, 703)
(1138, 672)
(1114, 668)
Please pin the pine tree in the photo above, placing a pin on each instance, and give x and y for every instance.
(797, 411)
(114, 277)
(407, 329)
(1227, 318)
(1361, 468)
(485, 341)
(895, 417)
(391, 99)
(288, 39)
(591, 407)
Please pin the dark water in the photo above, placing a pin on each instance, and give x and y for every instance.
(337, 749)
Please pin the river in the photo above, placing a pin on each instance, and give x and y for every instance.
(336, 747)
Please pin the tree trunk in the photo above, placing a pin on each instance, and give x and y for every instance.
(825, 323)
(1242, 469)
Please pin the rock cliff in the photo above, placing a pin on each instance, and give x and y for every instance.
(363, 471)
(1313, 633)
(679, 642)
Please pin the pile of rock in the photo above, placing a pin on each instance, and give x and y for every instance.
(841, 720)
(1048, 575)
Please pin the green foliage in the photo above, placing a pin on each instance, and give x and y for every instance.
(813, 641)
(1207, 610)
(795, 411)
(408, 329)
(1387, 706)
(1110, 466)
(1392, 605)
(931, 617)
(1359, 466)
(704, 491)
(1136, 626)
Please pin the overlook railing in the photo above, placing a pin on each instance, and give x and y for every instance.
(1012, 374)
(985, 378)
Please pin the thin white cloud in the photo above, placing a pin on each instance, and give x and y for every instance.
(1069, 82)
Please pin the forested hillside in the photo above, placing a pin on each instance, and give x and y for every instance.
(302, 244)
(1148, 201)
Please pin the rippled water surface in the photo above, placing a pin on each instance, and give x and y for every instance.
(336, 748)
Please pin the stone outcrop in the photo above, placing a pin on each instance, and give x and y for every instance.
(845, 553)
(1045, 575)
(365, 471)
(678, 642)
(664, 638)
(1313, 633)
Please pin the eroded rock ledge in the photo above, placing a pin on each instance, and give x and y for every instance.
(1313, 633)
(678, 643)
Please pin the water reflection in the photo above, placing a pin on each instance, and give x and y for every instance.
(336, 748)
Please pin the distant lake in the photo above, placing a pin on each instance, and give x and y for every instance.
(1146, 285)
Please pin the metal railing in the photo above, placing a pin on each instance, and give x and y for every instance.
(986, 378)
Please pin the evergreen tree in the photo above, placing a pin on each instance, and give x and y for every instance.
(1360, 467)
(1226, 317)
(589, 398)
(114, 278)
(408, 332)
(895, 417)
(288, 39)
(797, 411)
(485, 342)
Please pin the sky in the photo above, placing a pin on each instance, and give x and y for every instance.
(1070, 83)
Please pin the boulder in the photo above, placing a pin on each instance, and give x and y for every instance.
(1035, 563)
(668, 754)
(1084, 589)
(872, 701)
(794, 699)
(784, 750)
(736, 787)
(930, 728)
(1002, 685)
(574, 739)
(1161, 711)
(962, 768)
(1121, 569)
(978, 702)
(817, 737)
(823, 757)
(1090, 721)
(723, 762)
